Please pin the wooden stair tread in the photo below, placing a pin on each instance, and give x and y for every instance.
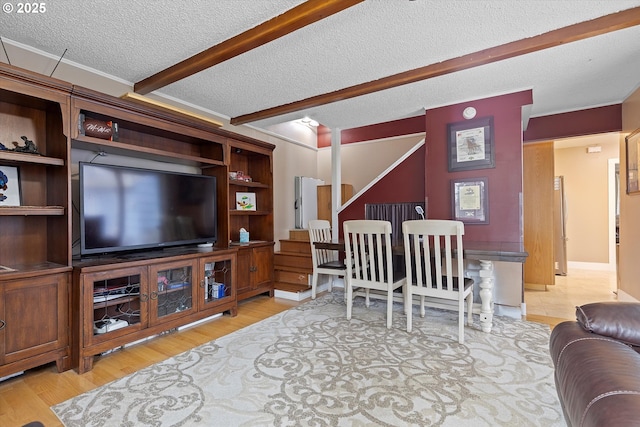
(290, 287)
(293, 269)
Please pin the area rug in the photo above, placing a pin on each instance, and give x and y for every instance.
(310, 366)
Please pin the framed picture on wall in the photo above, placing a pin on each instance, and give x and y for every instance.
(470, 200)
(470, 144)
(632, 141)
(9, 186)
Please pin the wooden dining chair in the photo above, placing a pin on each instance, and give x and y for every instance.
(433, 270)
(368, 247)
(325, 261)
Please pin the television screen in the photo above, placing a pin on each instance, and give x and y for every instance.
(124, 208)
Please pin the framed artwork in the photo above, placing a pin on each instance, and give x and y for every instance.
(9, 186)
(246, 201)
(470, 200)
(632, 141)
(470, 145)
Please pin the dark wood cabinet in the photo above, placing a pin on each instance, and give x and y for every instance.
(39, 231)
(120, 301)
(34, 320)
(255, 269)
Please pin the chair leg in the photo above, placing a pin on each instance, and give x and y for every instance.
(461, 321)
(349, 294)
(423, 312)
(470, 308)
(331, 282)
(408, 306)
(389, 309)
(367, 301)
(314, 284)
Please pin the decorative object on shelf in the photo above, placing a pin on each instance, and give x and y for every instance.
(470, 200)
(246, 201)
(239, 176)
(3, 147)
(244, 236)
(28, 147)
(98, 128)
(9, 186)
(471, 145)
(632, 142)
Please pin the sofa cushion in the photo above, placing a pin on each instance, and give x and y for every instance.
(615, 319)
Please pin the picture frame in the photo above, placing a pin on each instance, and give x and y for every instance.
(246, 201)
(470, 200)
(471, 145)
(10, 194)
(632, 145)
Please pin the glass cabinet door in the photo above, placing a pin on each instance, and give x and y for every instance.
(172, 291)
(217, 281)
(115, 303)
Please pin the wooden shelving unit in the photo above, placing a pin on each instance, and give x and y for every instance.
(36, 262)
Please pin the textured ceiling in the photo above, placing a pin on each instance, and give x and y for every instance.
(134, 39)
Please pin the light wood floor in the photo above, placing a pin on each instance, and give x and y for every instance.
(28, 397)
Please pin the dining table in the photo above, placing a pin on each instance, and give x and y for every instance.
(485, 252)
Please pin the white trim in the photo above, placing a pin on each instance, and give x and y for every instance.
(596, 266)
(611, 185)
(623, 296)
(372, 141)
(383, 174)
(48, 55)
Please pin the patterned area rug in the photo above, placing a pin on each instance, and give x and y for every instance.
(309, 366)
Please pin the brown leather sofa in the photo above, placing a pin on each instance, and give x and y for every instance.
(597, 365)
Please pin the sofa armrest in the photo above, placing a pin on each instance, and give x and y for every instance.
(615, 319)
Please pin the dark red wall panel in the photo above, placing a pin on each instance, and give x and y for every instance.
(405, 183)
(504, 181)
(390, 129)
(576, 123)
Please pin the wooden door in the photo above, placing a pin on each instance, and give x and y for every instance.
(538, 173)
(36, 318)
(324, 199)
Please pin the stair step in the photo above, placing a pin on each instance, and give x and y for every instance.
(299, 234)
(288, 287)
(292, 259)
(300, 246)
(292, 277)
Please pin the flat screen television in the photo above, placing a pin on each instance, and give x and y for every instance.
(127, 209)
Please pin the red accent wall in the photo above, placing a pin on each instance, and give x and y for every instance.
(504, 181)
(390, 129)
(405, 183)
(576, 123)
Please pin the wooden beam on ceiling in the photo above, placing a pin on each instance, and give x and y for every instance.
(294, 19)
(583, 30)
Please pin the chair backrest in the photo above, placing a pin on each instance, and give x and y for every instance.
(320, 231)
(431, 246)
(368, 247)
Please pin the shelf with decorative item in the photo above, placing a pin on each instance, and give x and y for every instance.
(31, 210)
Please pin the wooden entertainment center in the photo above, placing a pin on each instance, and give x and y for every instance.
(56, 306)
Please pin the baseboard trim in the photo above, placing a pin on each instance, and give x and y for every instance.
(597, 266)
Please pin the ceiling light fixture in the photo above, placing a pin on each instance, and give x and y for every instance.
(309, 122)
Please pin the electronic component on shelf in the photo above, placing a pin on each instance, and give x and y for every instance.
(105, 298)
(108, 325)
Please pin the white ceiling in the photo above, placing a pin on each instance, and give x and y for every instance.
(134, 39)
